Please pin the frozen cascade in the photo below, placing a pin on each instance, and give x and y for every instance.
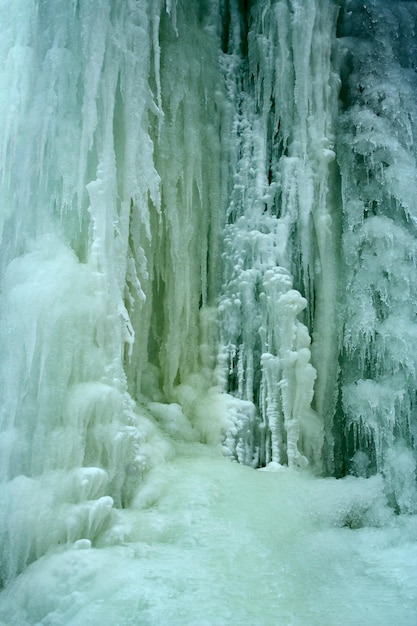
(378, 159)
(283, 227)
(67, 71)
(208, 254)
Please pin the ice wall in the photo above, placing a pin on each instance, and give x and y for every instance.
(112, 190)
(181, 248)
(76, 162)
(320, 240)
(377, 159)
(208, 232)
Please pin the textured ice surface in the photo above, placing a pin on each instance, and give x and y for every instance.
(208, 249)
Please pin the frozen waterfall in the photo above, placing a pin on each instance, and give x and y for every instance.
(208, 312)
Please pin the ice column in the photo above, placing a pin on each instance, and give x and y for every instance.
(282, 236)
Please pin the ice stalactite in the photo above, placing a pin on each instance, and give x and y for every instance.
(114, 196)
(77, 160)
(377, 158)
(182, 246)
(282, 235)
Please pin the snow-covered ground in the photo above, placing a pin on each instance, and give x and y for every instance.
(210, 542)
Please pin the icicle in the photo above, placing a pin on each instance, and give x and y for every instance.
(283, 227)
(376, 155)
(81, 99)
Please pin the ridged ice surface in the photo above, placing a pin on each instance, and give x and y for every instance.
(208, 249)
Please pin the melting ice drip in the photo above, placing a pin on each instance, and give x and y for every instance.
(208, 217)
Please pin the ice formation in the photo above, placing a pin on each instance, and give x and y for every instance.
(208, 236)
